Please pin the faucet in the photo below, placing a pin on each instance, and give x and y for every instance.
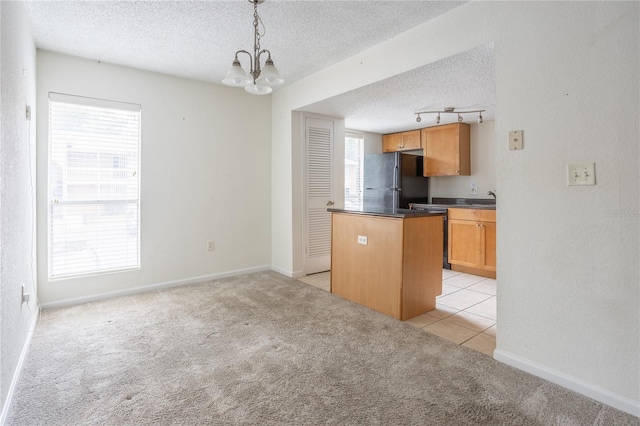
(492, 194)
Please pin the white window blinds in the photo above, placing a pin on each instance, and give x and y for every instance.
(353, 170)
(94, 186)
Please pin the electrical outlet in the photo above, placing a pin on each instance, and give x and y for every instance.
(362, 240)
(474, 189)
(210, 245)
(25, 297)
(28, 112)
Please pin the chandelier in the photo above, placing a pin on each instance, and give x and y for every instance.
(258, 81)
(450, 110)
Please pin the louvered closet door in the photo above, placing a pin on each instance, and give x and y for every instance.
(319, 189)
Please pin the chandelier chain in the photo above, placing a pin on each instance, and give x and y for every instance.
(257, 21)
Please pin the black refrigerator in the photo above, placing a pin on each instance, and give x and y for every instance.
(393, 180)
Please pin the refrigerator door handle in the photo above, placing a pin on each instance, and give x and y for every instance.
(395, 176)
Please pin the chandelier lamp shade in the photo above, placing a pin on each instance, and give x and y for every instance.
(450, 110)
(259, 80)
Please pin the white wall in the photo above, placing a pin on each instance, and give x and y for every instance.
(566, 74)
(372, 143)
(17, 195)
(483, 169)
(203, 175)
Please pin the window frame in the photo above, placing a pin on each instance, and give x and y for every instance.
(101, 203)
(360, 136)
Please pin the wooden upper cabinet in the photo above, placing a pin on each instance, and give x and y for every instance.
(447, 150)
(403, 141)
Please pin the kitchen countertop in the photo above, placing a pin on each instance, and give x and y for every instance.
(457, 206)
(459, 203)
(397, 213)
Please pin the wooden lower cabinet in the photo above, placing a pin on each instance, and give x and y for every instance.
(398, 272)
(472, 241)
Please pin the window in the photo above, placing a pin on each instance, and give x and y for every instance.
(94, 186)
(353, 158)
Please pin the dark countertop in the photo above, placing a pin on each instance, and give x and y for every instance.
(397, 213)
(459, 203)
(465, 203)
(456, 201)
(457, 206)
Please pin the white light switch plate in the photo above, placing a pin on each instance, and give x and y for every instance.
(581, 174)
(515, 140)
(362, 240)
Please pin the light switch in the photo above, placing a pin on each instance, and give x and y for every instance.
(362, 240)
(515, 140)
(581, 174)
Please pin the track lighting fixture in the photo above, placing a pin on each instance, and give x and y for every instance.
(451, 110)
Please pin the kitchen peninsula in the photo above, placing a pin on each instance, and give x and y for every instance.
(389, 260)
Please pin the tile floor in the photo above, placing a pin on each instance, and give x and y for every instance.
(465, 312)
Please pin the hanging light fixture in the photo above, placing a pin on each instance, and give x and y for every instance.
(258, 81)
(450, 110)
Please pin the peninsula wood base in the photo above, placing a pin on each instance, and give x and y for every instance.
(392, 265)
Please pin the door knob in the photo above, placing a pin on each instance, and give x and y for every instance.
(330, 203)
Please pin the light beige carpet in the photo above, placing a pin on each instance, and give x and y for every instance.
(264, 349)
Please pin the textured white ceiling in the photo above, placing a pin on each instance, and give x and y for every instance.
(198, 40)
(465, 82)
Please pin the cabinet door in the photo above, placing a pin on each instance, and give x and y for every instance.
(464, 242)
(392, 142)
(489, 246)
(403, 141)
(411, 140)
(447, 150)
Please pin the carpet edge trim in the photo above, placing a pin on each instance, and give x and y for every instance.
(592, 391)
(150, 287)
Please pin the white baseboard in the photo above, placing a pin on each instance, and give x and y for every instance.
(8, 402)
(287, 272)
(158, 286)
(622, 403)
